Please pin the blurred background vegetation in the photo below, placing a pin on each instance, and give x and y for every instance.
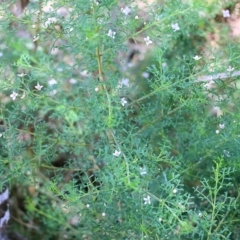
(56, 152)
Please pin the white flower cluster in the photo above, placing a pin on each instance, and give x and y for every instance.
(14, 94)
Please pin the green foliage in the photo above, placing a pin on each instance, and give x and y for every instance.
(107, 125)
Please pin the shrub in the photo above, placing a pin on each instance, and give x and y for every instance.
(119, 120)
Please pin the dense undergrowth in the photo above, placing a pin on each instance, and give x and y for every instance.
(120, 119)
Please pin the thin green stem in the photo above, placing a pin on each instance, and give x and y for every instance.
(109, 132)
(214, 199)
(222, 220)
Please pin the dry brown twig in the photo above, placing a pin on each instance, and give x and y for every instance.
(207, 78)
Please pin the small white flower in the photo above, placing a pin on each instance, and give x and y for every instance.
(84, 73)
(147, 40)
(200, 214)
(130, 65)
(160, 219)
(88, 205)
(52, 81)
(103, 214)
(175, 27)
(53, 92)
(54, 51)
(145, 74)
(226, 13)
(209, 85)
(180, 205)
(35, 38)
(230, 69)
(22, 74)
(72, 81)
(96, 89)
(116, 153)
(1, 135)
(143, 170)
(136, 17)
(196, 58)
(38, 87)
(147, 200)
(175, 190)
(164, 65)
(13, 95)
(226, 153)
(217, 131)
(50, 21)
(123, 101)
(126, 10)
(23, 96)
(111, 33)
(125, 82)
(1, 54)
(222, 126)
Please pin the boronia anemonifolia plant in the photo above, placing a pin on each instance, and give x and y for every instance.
(119, 119)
